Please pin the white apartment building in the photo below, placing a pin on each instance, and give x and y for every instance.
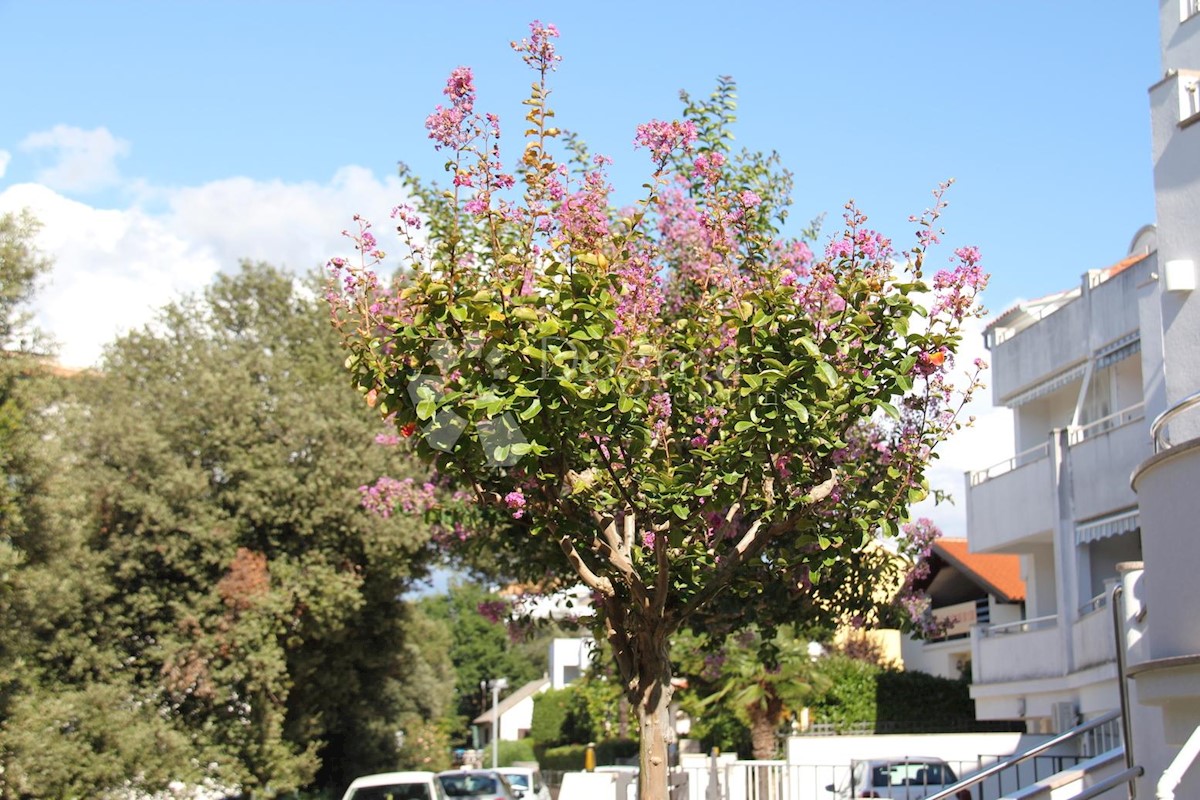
(1086, 371)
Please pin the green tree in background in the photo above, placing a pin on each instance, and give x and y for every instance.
(482, 648)
(227, 597)
(760, 693)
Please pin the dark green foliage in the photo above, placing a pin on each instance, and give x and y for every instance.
(884, 700)
(850, 698)
(218, 567)
(571, 757)
(719, 727)
(513, 752)
(551, 710)
(917, 702)
(567, 757)
(481, 650)
(616, 751)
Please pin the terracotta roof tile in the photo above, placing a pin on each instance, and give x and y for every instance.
(999, 573)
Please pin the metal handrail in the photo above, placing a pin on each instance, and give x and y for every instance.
(1111, 783)
(1125, 416)
(1035, 453)
(1021, 626)
(1115, 594)
(1156, 427)
(999, 766)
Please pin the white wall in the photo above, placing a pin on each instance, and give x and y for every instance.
(516, 721)
(569, 659)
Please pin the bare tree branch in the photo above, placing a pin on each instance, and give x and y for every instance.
(594, 582)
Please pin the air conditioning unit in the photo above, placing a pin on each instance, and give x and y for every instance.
(1064, 716)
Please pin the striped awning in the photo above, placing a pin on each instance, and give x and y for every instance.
(1046, 387)
(1124, 347)
(1104, 527)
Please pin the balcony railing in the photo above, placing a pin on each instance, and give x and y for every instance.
(1021, 626)
(1159, 433)
(1008, 465)
(1106, 424)
(1095, 604)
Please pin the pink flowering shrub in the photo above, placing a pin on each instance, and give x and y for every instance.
(696, 415)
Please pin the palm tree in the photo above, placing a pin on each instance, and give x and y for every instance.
(763, 682)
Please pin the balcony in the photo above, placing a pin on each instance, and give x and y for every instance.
(1103, 456)
(1092, 635)
(1017, 651)
(1012, 502)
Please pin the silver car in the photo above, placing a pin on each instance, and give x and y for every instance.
(475, 784)
(910, 778)
(527, 782)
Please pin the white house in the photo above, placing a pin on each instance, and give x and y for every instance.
(569, 659)
(965, 589)
(1086, 371)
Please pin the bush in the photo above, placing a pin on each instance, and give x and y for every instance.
(566, 758)
(894, 701)
(509, 752)
(550, 710)
(850, 698)
(614, 751)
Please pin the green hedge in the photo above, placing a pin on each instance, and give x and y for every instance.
(550, 710)
(568, 757)
(612, 751)
(850, 699)
(509, 752)
(892, 701)
(571, 757)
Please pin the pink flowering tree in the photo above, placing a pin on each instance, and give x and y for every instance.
(673, 403)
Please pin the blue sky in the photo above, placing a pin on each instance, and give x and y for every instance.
(161, 142)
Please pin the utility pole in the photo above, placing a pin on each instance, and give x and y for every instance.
(496, 685)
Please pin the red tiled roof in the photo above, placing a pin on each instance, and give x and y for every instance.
(1000, 574)
(1123, 265)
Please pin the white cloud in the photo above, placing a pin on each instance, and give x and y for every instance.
(113, 268)
(294, 225)
(82, 160)
(5, 157)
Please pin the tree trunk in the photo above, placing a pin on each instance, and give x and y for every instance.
(764, 723)
(655, 725)
(642, 649)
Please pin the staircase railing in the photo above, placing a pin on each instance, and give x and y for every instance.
(951, 792)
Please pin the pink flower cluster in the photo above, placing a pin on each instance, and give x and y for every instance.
(958, 289)
(582, 217)
(663, 138)
(448, 126)
(386, 494)
(640, 301)
(707, 167)
(659, 413)
(493, 611)
(707, 424)
(919, 537)
(538, 50)
(515, 500)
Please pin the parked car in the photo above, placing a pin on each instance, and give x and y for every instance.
(476, 784)
(526, 782)
(909, 778)
(396, 786)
